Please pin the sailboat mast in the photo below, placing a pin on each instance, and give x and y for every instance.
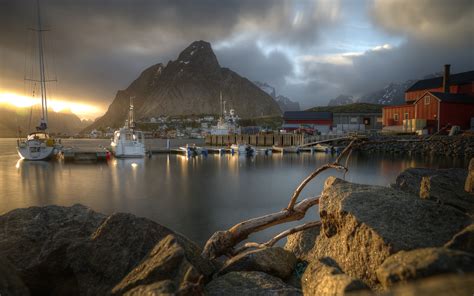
(44, 103)
(131, 119)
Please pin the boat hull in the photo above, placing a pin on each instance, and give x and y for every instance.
(36, 150)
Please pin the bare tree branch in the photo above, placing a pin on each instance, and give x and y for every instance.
(223, 242)
(278, 237)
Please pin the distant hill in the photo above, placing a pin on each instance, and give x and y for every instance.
(189, 85)
(286, 104)
(350, 108)
(13, 119)
(341, 100)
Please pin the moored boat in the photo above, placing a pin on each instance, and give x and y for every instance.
(39, 145)
(128, 141)
(242, 149)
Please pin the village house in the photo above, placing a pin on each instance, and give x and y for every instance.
(434, 104)
(320, 121)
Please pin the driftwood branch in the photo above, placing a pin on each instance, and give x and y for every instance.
(223, 242)
(278, 237)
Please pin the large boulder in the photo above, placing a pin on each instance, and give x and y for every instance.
(324, 277)
(35, 241)
(274, 261)
(238, 283)
(301, 243)
(455, 285)
(73, 250)
(362, 225)
(10, 281)
(463, 240)
(407, 266)
(445, 186)
(168, 261)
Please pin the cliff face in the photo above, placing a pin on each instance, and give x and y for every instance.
(189, 85)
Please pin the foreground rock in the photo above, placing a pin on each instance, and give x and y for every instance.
(74, 250)
(302, 243)
(324, 277)
(10, 281)
(274, 261)
(249, 283)
(411, 265)
(445, 186)
(362, 225)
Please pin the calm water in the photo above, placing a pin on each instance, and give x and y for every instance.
(193, 196)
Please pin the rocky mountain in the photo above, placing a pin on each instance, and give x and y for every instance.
(341, 100)
(392, 94)
(12, 119)
(286, 104)
(189, 85)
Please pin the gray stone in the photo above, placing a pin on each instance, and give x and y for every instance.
(453, 285)
(10, 281)
(35, 241)
(411, 265)
(161, 288)
(302, 242)
(73, 250)
(362, 225)
(167, 261)
(239, 283)
(463, 240)
(445, 186)
(324, 277)
(274, 261)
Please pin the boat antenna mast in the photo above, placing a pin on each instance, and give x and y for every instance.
(44, 104)
(131, 118)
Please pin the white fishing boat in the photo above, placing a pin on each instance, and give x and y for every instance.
(39, 145)
(128, 141)
(227, 123)
(242, 149)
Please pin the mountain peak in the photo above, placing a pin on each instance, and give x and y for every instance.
(200, 54)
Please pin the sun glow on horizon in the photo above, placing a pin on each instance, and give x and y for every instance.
(84, 111)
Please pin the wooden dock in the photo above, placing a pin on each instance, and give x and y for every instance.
(87, 155)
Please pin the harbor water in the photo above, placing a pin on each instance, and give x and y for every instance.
(194, 196)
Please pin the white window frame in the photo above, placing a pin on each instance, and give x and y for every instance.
(427, 99)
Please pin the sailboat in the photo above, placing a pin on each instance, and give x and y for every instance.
(128, 141)
(39, 145)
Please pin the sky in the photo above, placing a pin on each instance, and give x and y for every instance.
(310, 51)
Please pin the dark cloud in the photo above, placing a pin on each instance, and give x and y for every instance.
(102, 45)
(249, 61)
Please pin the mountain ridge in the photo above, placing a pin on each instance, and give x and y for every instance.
(189, 85)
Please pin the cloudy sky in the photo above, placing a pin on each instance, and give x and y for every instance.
(310, 51)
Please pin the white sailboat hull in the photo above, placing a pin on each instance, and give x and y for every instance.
(35, 150)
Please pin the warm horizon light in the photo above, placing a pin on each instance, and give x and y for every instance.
(84, 111)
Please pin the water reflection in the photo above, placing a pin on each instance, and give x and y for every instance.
(195, 196)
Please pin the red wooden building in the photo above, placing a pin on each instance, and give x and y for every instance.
(321, 121)
(441, 101)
